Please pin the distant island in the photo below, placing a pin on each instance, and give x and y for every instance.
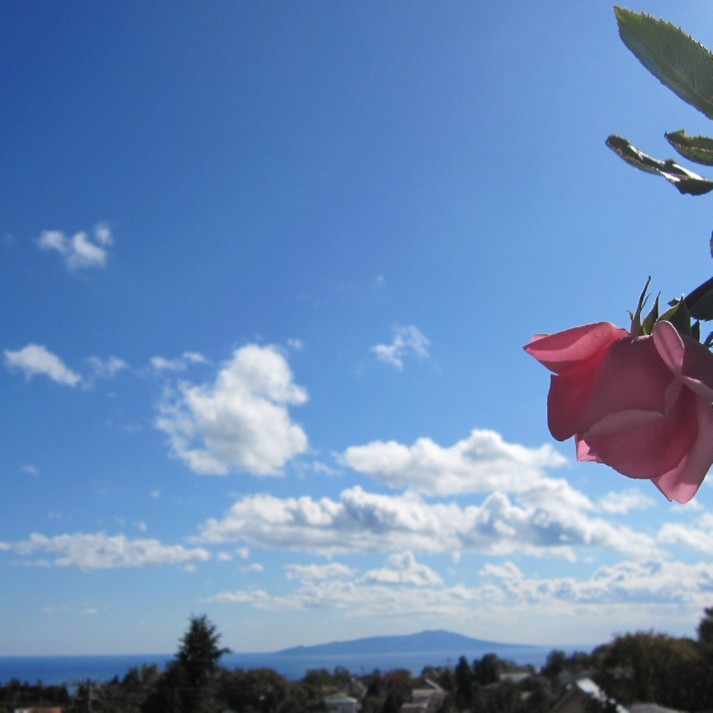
(425, 641)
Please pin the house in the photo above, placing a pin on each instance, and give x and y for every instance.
(578, 698)
(425, 700)
(340, 703)
(650, 708)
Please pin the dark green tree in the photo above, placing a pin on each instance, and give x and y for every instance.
(555, 665)
(259, 690)
(393, 703)
(463, 683)
(486, 669)
(705, 633)
(188, 683)
(649, 667)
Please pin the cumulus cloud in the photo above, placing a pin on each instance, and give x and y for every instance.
(36, 359)
(483, 462)
(504, 594)
(367, 522)
(625, 582)
(102, 551)
(81, 251)
(241, 421)
(408, 341)
(402, 568)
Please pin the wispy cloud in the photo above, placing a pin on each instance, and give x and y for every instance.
(408, 341)
(240, 422)
(105, 368)
(35, 359)
(698, 536)
(102, 551)
(624, 502)
(82, 251)
(178, 364)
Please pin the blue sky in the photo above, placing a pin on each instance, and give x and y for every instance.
(267, 271)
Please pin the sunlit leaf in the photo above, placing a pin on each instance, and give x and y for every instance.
(679, 316)
(677, 60)
(695, 148)
(685, 181)
(647, 326)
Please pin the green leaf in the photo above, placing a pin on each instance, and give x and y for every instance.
(694, 148)
(696, 331)
(679, 316)
(647, 326)
(700, 301)
(677, 60)
(685, 181)
(635, 329)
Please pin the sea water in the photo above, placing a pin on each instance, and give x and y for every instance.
(73, 670)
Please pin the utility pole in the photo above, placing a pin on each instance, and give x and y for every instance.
(89, 696)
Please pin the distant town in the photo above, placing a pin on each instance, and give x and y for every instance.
(641, 672)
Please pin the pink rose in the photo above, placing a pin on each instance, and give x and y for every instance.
(641, 405)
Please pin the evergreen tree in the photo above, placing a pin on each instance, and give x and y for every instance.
(186, 686)
(463, 682)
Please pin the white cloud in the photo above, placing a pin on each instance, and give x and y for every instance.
(254, 567)
(696, 537)
(81, 251)
(483, 462)
(30, 469)
(625, 582)
(402, 568)
(318, 571)
(616, 597)
(102, 551)
(241, 421)
(623, 502)
(35, 359)
(106, 368)
(408, 341)
(366, 522)
(181, 363)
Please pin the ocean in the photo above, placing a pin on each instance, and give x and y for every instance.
(72, 670)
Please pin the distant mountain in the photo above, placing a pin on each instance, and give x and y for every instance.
(425, 642)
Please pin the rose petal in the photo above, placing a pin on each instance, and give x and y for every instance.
(682, 482)
(629, 390)
(688, 359)
(584, 454)
(651, 449)
(566, 350)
